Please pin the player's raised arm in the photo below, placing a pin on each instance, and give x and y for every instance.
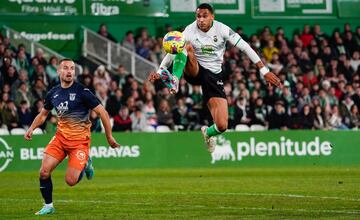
(270, 77)
(39, 120)
(104, 116)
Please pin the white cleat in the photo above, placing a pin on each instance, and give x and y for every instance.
(209, 141)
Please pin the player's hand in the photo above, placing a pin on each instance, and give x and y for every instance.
(153, 76)
(112, 142)
(271, 78)
(28, 135)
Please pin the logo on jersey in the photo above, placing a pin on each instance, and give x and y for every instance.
(55, 96)
(207, 49)
(72, 96)
(215, 38)
(62, 107)
(80, 155)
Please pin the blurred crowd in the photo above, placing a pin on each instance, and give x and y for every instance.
(320, 74)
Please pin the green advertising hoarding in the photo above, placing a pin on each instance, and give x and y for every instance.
(163, 8)
(236, 7)
(61, 37)
(125, 7)
(41, 7)
(349, 8)
(84, 7)
(186, 149)
(294, 9)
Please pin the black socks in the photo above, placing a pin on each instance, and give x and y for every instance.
(46, 189)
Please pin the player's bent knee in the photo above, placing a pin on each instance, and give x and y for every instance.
(71, 181)
(44, 173)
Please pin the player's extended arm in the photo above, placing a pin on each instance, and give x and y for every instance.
(269, 76)
(165, 63)
(39, 120)
(104, 116)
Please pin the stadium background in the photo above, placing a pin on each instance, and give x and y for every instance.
(239, 154)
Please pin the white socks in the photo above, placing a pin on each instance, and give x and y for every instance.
(50, 205)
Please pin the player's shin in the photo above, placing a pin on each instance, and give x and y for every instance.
(179, 63)
(46, 188)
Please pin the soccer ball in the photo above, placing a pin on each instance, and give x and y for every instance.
(173, 42)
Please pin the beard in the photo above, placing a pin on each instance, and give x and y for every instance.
(68, 79)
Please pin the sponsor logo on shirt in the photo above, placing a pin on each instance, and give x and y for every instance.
(207, 49)
(62, 107)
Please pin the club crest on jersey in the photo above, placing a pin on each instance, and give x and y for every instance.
(72, 96)
(215, 38)
(81, 155)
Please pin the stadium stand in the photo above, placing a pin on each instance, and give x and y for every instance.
(320, 73)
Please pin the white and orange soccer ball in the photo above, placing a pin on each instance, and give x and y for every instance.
(173, 42)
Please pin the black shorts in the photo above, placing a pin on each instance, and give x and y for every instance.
(211, 84)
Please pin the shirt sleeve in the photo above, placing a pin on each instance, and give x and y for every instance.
(230, 35)
(245, 47)
(47, 104)
(186, 34)
(89, 99)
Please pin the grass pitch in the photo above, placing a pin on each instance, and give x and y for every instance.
(241, 193)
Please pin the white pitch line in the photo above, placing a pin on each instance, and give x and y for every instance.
(299, 210)
(196, 206)
(241, 194)
(288, 195)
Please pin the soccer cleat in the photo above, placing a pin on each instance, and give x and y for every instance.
(46, 210)
(170, 81)
(89, 169)
(209, 141)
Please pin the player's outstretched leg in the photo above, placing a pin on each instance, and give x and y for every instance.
(170, 81)
(184, 60)
(219, 112)
(89, 169)
(46, 187)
